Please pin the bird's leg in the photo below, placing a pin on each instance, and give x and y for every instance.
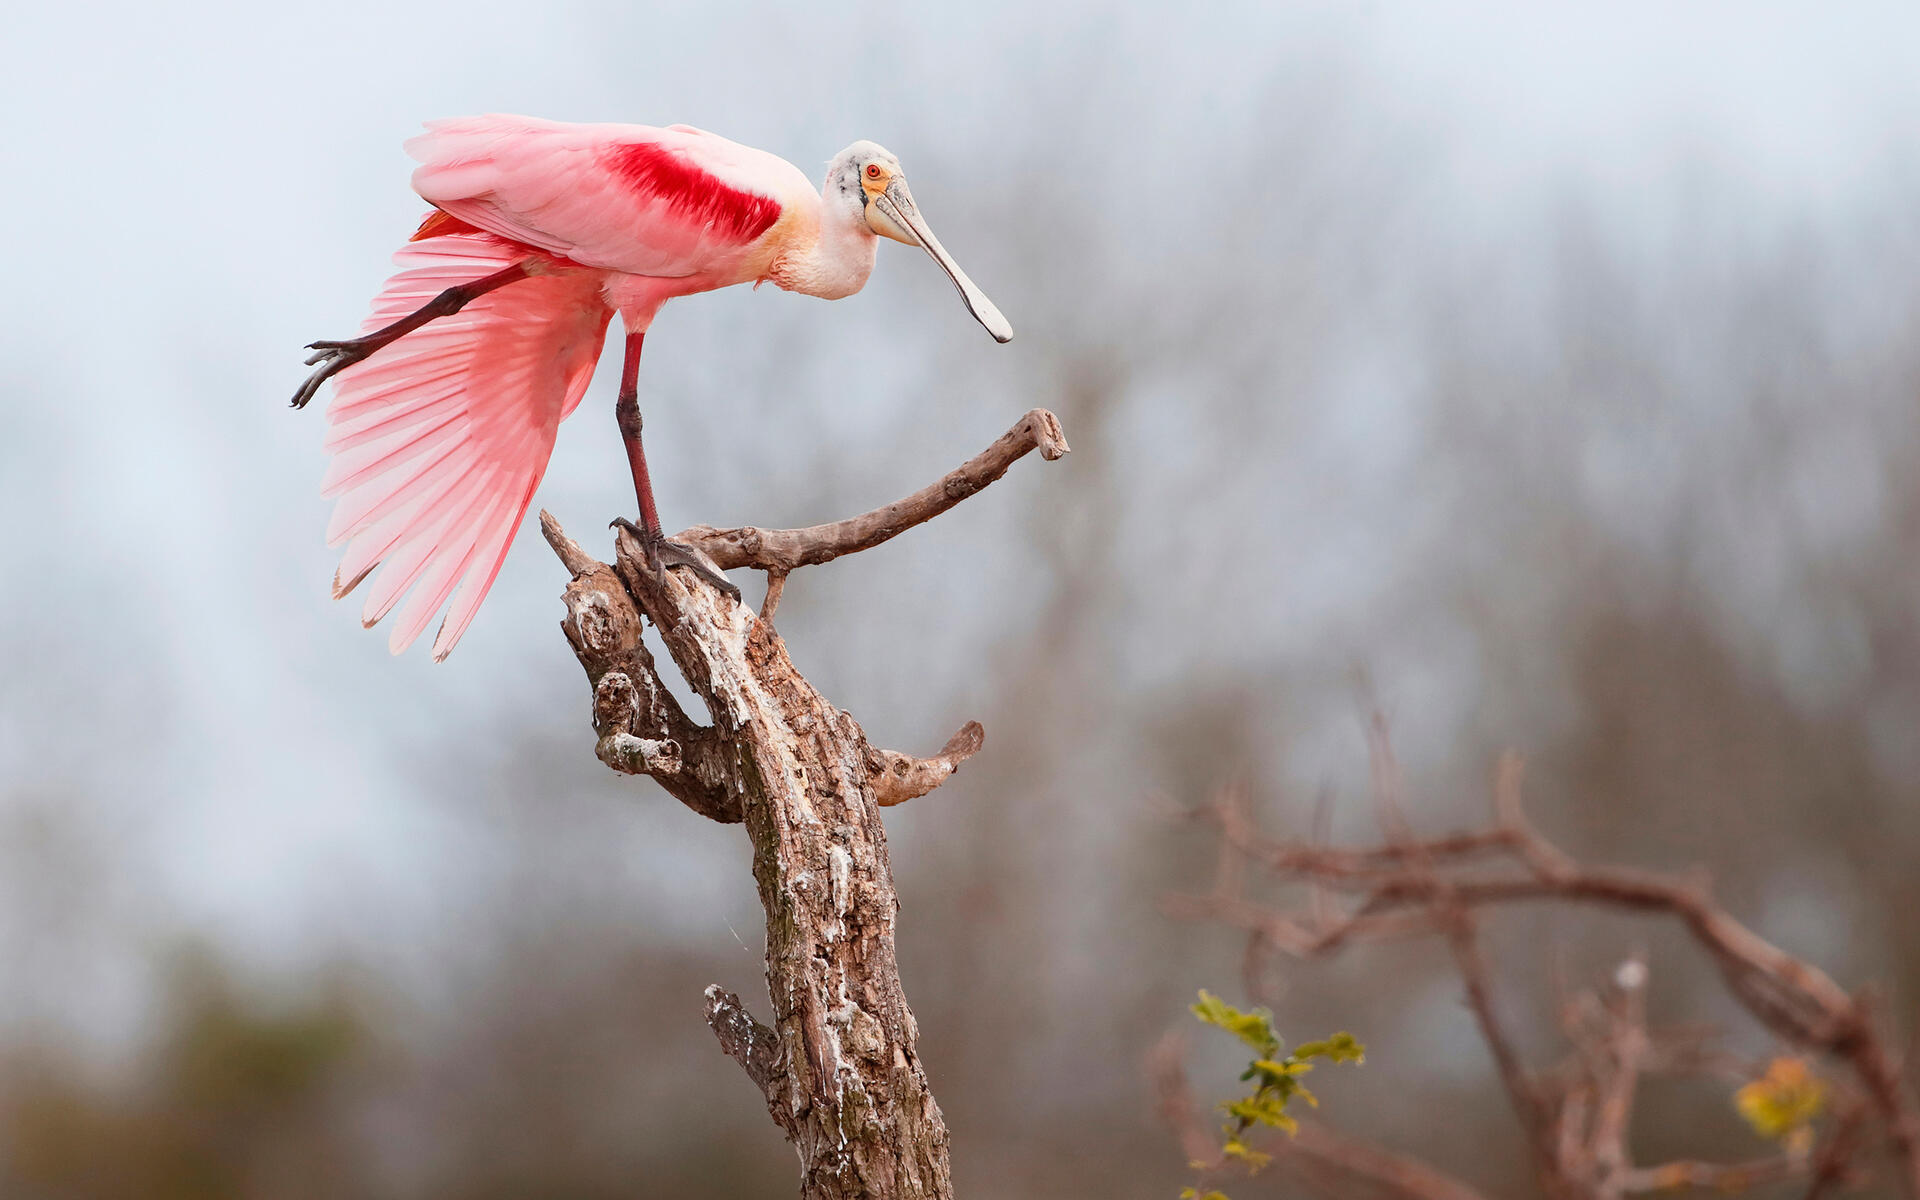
(333, 357)
(660, 552)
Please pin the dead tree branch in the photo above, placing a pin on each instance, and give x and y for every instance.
(1575, 1117)
(836, 1065)
(782, 551)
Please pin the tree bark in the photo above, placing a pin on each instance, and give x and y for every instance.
(838, 1066)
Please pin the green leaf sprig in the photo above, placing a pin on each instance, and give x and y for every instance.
(1275, 1075)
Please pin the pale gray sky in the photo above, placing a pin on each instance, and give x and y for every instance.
(193, 191)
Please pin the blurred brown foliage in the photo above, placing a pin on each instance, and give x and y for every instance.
(235, 1099)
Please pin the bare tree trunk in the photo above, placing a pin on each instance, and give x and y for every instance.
(838, 1066)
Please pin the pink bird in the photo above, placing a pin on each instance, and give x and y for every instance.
(486, 338)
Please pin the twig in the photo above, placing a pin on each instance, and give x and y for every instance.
(1833, 1164)
(1575, 1117)
(1474, 973)
(1725, 1178)
(785, 550)
(745, 1040)
(898, 777)
(1622, 1053)
(776, 584)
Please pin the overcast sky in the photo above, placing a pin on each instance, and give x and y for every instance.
(193, 191)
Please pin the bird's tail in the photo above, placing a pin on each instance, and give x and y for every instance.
(440, 439)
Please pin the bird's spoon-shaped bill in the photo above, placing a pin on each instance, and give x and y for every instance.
(897, 209)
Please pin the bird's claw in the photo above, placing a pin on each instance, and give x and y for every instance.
(322, 351)
(663, 553)
(330, 358)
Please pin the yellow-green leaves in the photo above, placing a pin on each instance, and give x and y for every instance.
(1339, 1048)
(1237, 1149)
(1276, 1079)
(1262, 1108)
(1782, 1103)
(1254, 1028)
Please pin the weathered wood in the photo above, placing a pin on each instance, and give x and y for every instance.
(643, 730)
(837, 1065)
(783, 550)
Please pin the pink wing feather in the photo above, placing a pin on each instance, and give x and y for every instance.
(440, 439)
(661, 202)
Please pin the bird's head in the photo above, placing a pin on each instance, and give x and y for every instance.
(867, 183)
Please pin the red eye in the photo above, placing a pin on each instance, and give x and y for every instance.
(873, 170)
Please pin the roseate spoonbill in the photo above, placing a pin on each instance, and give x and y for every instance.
(540, 232)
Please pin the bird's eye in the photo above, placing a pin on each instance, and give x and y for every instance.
(873, 170)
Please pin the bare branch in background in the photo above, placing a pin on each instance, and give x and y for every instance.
(837, 1065)
(1576, 1117)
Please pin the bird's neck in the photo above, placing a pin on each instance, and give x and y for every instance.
(832, 258)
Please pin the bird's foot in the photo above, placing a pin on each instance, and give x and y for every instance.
(331, 358)
(663, 553)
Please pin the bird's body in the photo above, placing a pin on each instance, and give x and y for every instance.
(446, 408)
(662, 212)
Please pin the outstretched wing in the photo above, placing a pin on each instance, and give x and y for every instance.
(662, 202)
(440, 439)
